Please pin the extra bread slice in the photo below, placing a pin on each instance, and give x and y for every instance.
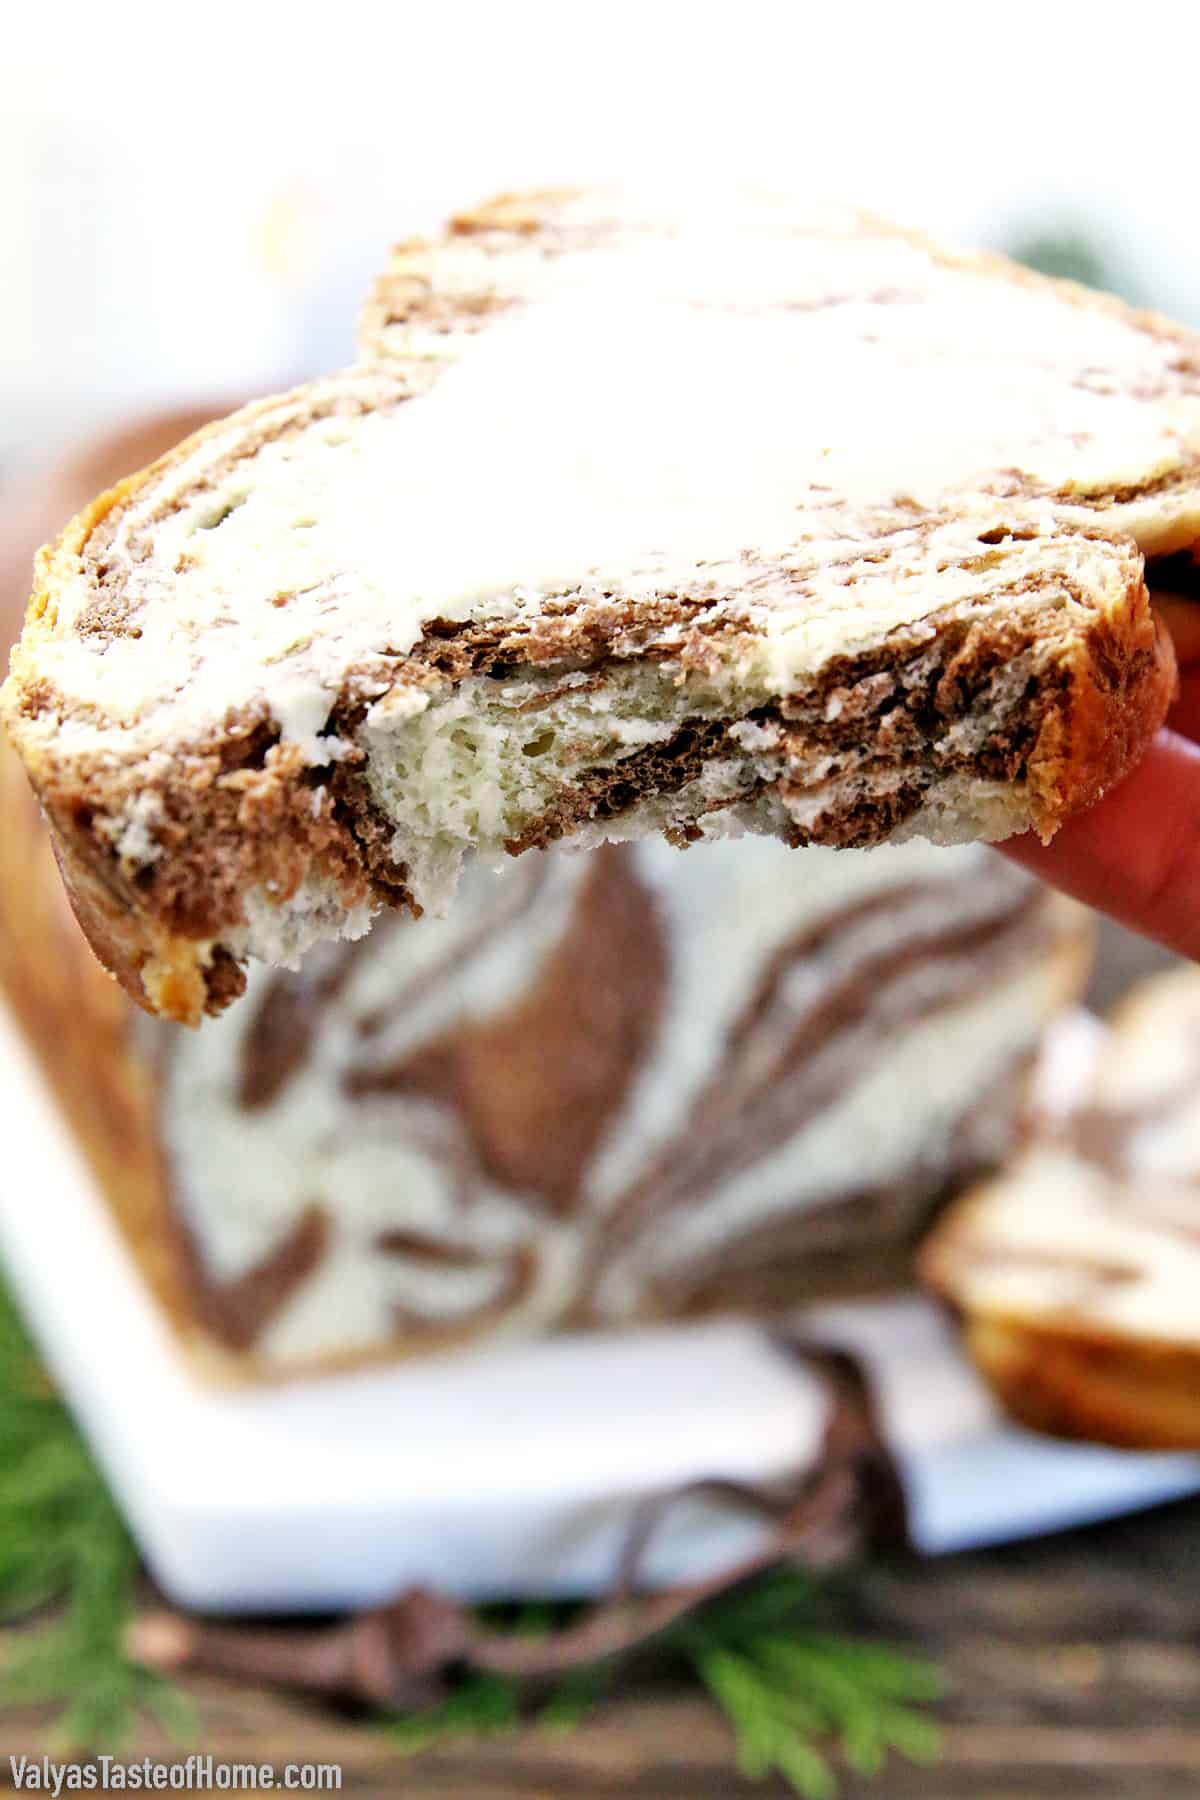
(1076, 1272)
(631, 519)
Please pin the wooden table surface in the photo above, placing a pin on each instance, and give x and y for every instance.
(1074, 1665)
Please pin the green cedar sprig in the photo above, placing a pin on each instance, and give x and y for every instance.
(790, 1693)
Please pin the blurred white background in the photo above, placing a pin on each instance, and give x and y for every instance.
(193, 198)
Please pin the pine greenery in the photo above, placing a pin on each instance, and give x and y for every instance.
(62, 1540)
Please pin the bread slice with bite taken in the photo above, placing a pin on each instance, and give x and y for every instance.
(634, 517)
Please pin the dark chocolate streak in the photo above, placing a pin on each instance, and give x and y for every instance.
(238, 1311)
(280, 1037)
(517, 1270)
(1104, 1137)
(515, 898)
(289, 1012)
(606, 793)
(520, 1265)
(859, 1241)
(436, 1253)
(535, 1086)
(778, 1073)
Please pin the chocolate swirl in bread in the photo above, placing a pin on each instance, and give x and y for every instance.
(614, 1087)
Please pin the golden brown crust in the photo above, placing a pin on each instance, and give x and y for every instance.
(1135, 1395)
(1120, 695)
(74, 1017)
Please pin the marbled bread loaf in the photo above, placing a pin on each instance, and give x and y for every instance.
(626, 1086)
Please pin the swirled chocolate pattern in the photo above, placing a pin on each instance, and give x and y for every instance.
(623, 1085)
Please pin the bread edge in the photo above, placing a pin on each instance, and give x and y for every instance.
(1058, 1377)
(1100, 1388)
